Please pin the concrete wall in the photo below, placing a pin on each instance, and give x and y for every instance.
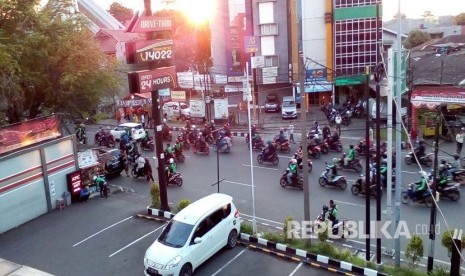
(32, 179)
(314, 31)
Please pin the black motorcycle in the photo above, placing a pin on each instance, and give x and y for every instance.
(175, 179)
(355, 164)
(359, 187)
(274, 159)
(411, 195)
(338, 226)
(179, 157)
(136, 173)
(148, 144)
(297, 181)
(426, 160)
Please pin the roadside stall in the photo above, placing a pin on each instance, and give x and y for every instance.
(89, 165)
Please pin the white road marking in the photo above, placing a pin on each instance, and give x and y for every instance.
(237, 183)
(113, 254)
(409, 172)
(295, 269)
(285, 156)
(228, 263)
(246, 165)
(93, 235)
(350, 203)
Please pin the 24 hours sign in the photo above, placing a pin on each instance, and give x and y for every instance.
(151, 80)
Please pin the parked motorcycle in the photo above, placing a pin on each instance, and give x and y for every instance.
(426, 160)
(359, 186)
(296, 181)
(148, 145)
(355, 164)
(338, 227)
(226, 145)
(333, 181)
(274, 159)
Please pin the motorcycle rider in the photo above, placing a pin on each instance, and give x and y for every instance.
(226, 129)
(145, 140)
(170, 169)
(80, 131)
(165, 129)
(281, 136)
(443, 173)
(132, 149)
(193, 134)
(177, 147)
(420, 150)
(454, 165)
(333, 168)
(124, 140)
(256, 140)
(420, 189)
(326, 132)
(202, 144)
(350, 157)
(292, 170)
(333, 214)
(169, 151)
(334, 138)
(269, 150)
(140, 165)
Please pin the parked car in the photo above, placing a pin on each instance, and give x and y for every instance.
(194, 234)
(272, 103)
(111, 160)
(289, 108)
(455, 121)
(178, 109)
(136, 130)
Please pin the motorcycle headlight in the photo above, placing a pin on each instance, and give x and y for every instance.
(174, 262)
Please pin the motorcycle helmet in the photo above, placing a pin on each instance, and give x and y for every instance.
(268, 142)
(212, 121)
(294, 161)
(94, 178)
(325, 208)
(164, 121)
(193, 126)
(456, 157)
(443, 161)
(351, 146)
(335, 160)
(171, 160)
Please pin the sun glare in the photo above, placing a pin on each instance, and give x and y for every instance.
(198, 11)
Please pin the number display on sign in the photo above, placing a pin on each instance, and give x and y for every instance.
(148, 56)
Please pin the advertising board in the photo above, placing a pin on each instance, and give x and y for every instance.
(197, 108)
(221, 108)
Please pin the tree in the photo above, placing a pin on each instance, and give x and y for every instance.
(120, 12)
(460, 19)
(414, 250)
(402, 16)
(50, 61)
(447, 241)
(415, 38)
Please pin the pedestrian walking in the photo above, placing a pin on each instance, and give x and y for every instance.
(142, 120)
(338, 121)
(148, 170)
(291, 133)
(459, 137)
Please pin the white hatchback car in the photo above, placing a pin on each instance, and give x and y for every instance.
(136, 130)
(195, 234)
(178, 109)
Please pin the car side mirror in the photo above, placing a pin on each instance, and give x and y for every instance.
(197, 240)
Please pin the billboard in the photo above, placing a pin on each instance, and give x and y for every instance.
(221, 108)
(20, 135)
(197, 108)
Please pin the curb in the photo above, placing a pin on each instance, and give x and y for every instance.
(312, 257)
(284, 251)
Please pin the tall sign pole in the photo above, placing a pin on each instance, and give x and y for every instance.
(367, 167)
(249, 98)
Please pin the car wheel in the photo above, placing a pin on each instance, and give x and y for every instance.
(186, 270)
(232, 239)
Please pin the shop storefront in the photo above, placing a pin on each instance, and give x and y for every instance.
(424, 102)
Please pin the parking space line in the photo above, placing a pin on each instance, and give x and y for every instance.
(246, 165)
(237, 183)
(93, 235)
(295, 269)
(113, 254)
(228, 263)
(350, 203)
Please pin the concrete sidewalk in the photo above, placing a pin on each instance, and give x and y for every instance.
(8, 268)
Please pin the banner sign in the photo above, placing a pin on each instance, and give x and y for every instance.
(185, 79)
(432, 97)
(250, 44)
(150, 80)
(132, 103)
(197, 108)
(153, 50)
(74, 182)
(221, 109)
(152, 24)
(313, 75)
(87, 158)
(178, 95)
(30, 132)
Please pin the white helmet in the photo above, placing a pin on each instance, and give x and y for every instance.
(193, 126)
(171, 160)
(212, 121)
(94, 178)
(294, 161)
(164, 120)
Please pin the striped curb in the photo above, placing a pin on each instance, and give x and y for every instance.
(159, 213)
(312, 257)
(151, 218)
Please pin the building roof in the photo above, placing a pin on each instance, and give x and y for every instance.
(428, 46)
(439, 69)
(387, 30)
(119, 35)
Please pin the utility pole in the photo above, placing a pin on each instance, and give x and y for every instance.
(303, 114)
(157, 127)
(367, 167)
(378, 74)
(432, 223)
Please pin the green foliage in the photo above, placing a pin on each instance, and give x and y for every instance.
(274, 237)
(246, 228)
(120, 12)
(183, 203)
(414, 250)
(460, 19)
(446, 240)
(155, 194)
(415, 38)
(49, 60)
(439, 271)
(323, 232)
(286, 229)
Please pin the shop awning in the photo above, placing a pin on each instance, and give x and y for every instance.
(439, 96)
(350, 80)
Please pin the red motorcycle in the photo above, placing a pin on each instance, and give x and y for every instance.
(360, 149)
(105, 139)
(283, 147)
(329, 145)
(314, 152)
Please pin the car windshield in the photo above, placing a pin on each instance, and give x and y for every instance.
(115, 153)
(137, 127)
(175, 234)
(272, 100)
(289, 103)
